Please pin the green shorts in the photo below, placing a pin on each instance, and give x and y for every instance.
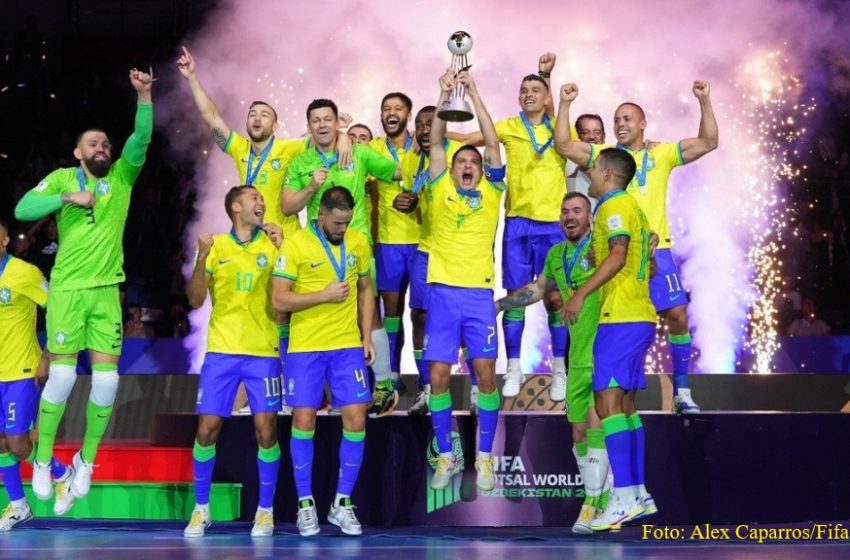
(580, 378)
(84, 319)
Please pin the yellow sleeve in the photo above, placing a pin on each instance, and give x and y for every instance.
(286, 264)
(209, 264)
(35, 286)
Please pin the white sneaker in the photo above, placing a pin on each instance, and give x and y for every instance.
(14, 516)
(343, 517)
(263, 523)
(198, 523)
(420, 404)
(244, 411)
(485, 481)
(473, 399)
(617, 512)
(558, 387)
(64, 497)
(81, 481)
(684, 404)
(514, 378)
(446, 469)
(649, 507)
(42, 486)
(585, 516)
(308, 519)
(285, 409)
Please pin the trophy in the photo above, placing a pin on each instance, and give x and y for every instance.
(457, 109)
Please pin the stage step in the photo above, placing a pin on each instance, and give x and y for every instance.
(132, 463)
(138, 500)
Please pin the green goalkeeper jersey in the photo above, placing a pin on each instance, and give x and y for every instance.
(91, 239)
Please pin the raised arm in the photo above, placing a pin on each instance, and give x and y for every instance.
(545, 65)
(492, 153)
(196, 289)
(574, 150)
(137, 144)
(204, 103)
(437, 154)
(707, 137)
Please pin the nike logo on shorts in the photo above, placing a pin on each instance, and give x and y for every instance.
(489, 348)
(362, 393)
(301, 467)
(273, 403)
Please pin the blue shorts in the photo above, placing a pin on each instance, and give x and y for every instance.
(524, 248)
(665, 288)
(344, 370)
(221, 375)
(419, 281)
(18, 406)
(394, 265)
(619, 355)
(456, 314)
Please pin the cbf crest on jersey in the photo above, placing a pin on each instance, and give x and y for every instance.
(262, 261)
(276, 165)
(351, 260)
(102, 187)
(5, 296)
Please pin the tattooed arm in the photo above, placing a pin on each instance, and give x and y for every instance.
(206, 106)
(528, 295)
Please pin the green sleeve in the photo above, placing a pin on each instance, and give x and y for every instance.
(294, 176)
(378, 166)
(137, 143)
(34, 206)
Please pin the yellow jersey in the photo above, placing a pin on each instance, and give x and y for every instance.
(649, 185)
(414, 175)
(625, 298)
(267, 174)
(22, 288)
(463, 234)
(303, 259)
(394, 227)
(536, 183)
(242, 320)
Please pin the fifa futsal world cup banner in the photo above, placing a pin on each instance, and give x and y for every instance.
(537, 480)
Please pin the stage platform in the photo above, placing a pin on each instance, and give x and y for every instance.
(60, 540)
(730, 467)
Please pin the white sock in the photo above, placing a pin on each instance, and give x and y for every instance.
(17, 504)
(514, 364)
(267, 510)
(484, 455)
(381, 367)
(203, 507)
(339, 497)
(559, 366)
(446, 455)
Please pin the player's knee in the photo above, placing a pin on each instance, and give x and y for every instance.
(266, 437)
(4, 448)
(19, 446)
(104, 387)
(677, 320)
(60, 383)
